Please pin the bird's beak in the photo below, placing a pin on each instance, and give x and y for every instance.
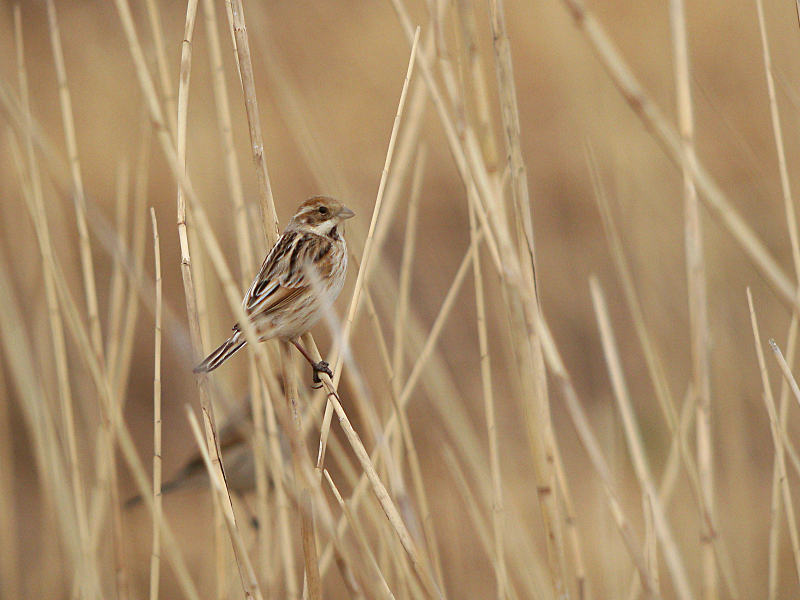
(345, 213)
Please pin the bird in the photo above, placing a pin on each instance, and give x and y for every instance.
(239, 463)
(234, 443)
(300, 278)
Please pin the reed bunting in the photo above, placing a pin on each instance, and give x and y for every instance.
(301, 277)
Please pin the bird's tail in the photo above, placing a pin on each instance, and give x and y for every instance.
(228, 348)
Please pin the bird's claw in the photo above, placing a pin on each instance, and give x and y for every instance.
(320, 367)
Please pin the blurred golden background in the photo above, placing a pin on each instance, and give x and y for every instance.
(344, 63)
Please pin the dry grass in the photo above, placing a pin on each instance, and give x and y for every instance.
(517, 436)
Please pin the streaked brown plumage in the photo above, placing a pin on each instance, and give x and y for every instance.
(286, 298)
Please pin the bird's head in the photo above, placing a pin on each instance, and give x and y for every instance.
(320, 215)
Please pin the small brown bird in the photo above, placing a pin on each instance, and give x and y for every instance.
(286, 299)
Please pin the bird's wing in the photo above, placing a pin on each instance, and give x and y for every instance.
(282, 277)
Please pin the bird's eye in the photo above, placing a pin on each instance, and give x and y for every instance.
(323, 210)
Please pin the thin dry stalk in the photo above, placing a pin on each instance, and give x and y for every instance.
(777, 132)
(592, 447)
(472, 171)
(250, 588)
(498, 512)
(670, 475)
(246, 266)
(174, 162)
(365, 257)
(389, 508)
(698, 305)
(110, 413)
(79, 194)
(636, 449)
(232, 173)
(9, 557)
(774, 531)
(119, 359)
(406, 265)
(476, 515)
(155, 555)
(192, 280)
(775, 428)
(276, 464)
(653, 118)
(406, 439)
(86, 575)
(51, 472)
(776, 498)
(164, 77)
(656, 372)
(245, 63)
(117, 285)
(423, 355)
(305, 506)
(791, 222)
(355, 525)
(475, 84)
(650, 540)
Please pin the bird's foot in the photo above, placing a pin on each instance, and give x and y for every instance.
(320, 367)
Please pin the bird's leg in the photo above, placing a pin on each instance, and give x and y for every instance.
(319, 367)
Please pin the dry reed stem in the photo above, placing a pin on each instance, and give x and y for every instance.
(651, 541)
(9, 557)
(86, 576)
(121, 365)
(174, 162)
(592, 447)
(769, 403)
(162, 65)
(656, 372)
(439, 382)
(111, 415)
(51, 473)
(777, 132)
(475, 84)
(498, 511)
(245, 63)
(116, 291)
(787, 374)
(281, 498)
(775, 506)
(791, 222)
(636, 446)
(233, 177)
(422, 358)
(389, 508)
(643, 106)
(470, 162)
(305, 507)
(155, 557)
(366, 255)
(670, 475)
(241, 46)
(250, 587)
(360, 536)
(476, 516)
(78, 192)
(415, 468)
(472, 172)
(698, 304)
(407, 264)
(193, 285)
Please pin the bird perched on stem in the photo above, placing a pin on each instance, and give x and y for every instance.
(301, 277)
